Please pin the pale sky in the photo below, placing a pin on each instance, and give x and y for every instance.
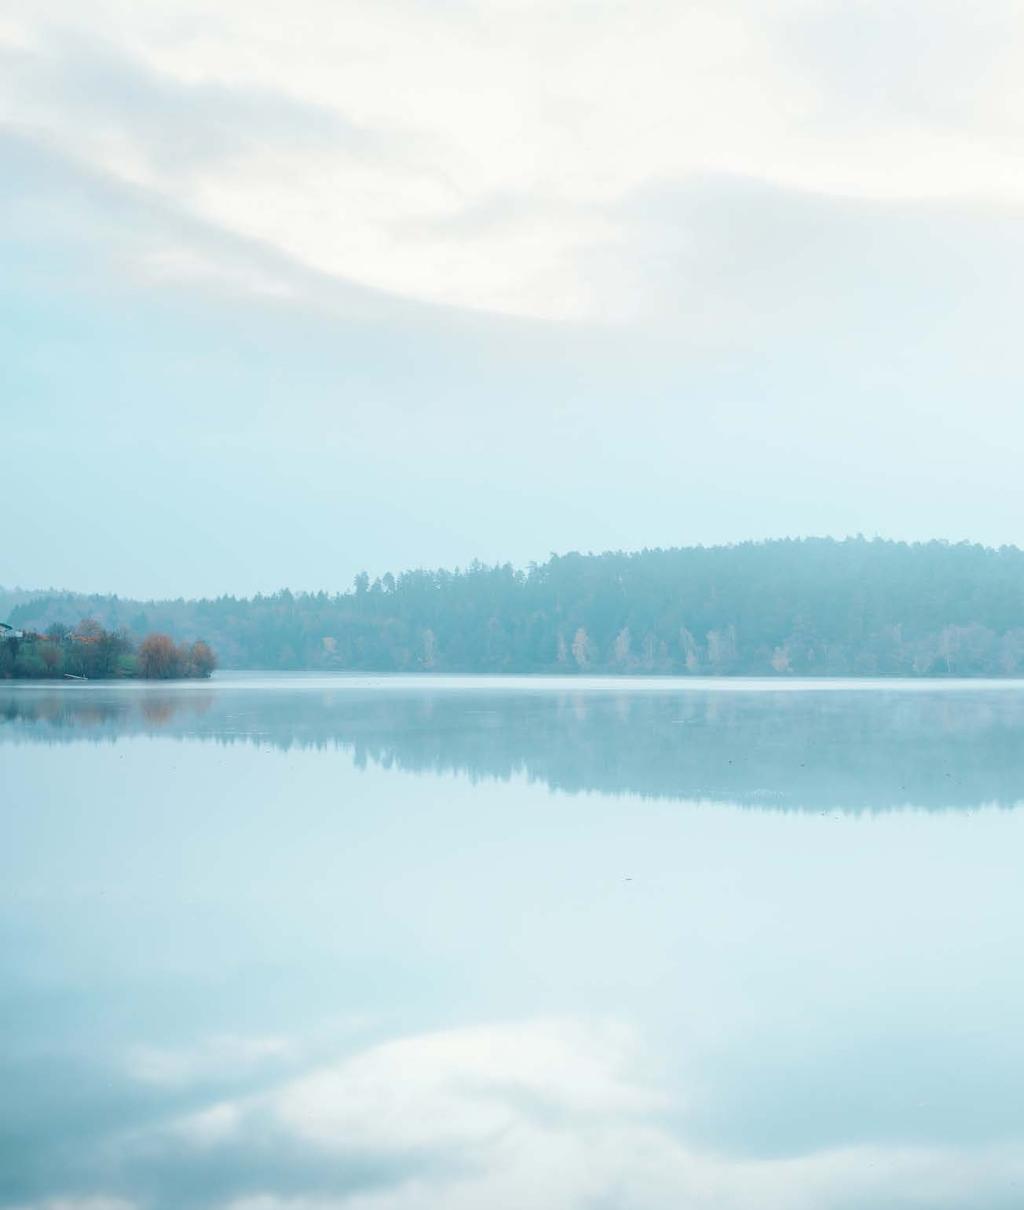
(289, 291)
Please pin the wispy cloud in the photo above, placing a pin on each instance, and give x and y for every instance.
(225, 1057)
(369, 142)
(780, 254)
(546, 1113)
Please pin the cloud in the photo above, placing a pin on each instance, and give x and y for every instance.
(456, 1089)
(80, 82)
(739, 264)
(778, 351)
(80, 1203)
(368, 142)
(283, 246)
(878, 63)
(545, 1113)
(217, 1059)
(74, 228)
(464, 1088)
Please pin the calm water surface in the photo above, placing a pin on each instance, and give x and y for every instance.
(312, 943)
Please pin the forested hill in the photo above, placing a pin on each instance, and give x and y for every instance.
(812, 607)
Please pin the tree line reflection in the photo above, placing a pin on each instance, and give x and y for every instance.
(852, 751)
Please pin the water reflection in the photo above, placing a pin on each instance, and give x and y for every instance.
(849, 750)
(329, 945)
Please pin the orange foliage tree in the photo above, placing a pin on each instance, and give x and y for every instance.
(201, 660)
(159, 658)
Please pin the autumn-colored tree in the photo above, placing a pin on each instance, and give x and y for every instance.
(201, 660)
(158, 658)
(96, 652)
(88, 630)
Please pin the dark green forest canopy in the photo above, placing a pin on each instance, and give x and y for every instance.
(810, 606)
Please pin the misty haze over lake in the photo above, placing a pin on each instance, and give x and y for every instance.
(464, 942)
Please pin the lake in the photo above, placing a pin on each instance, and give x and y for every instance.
(347, 943)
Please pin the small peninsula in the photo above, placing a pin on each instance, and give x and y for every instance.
(88, 651)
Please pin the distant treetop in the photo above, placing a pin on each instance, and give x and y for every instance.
(813, 606)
